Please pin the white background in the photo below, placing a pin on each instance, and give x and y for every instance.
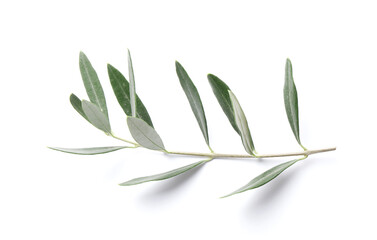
(51, 195)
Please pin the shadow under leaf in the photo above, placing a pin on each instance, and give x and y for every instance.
(164, 188)
(268, 203)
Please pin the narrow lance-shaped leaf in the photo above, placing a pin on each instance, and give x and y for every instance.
(77, 105)
(220, 89)
(194, 99)
(92, 84)
(291, 101)
(242, 124)
(132, 85)
(96, 116)
(121, 90)
(144, 134)
(89, 151)
(264, 177)
(163, 176)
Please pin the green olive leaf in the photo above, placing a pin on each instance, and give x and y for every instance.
(144, 134)
(194, 99)
(242, 125)
(88, 151)
(77, 105)
(163, 176)
(132, 85)
(96, 116)
(264, 177)
(291, 101)
(92, 84)
(121, 90)
(220, 89)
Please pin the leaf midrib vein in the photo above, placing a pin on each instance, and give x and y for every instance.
(105, 126)
(146, 136)
(92, 86)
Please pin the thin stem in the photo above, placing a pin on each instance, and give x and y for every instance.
(213, 155)
(209, 147)
(134, 146)
(124, 140)
(224, 155)
(305, 149)
(303, 158)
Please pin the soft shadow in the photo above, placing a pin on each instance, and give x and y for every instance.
(268, 162)
(268, 201)
(163, 190)
(115, 169)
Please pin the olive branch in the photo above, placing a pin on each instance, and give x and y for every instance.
(145, 136)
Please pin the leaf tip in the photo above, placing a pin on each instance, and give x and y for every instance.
(288, 63)
(82, 54)
(212, 78)
(53, 148)
(110, 68)
(225, 196)
(124, 184)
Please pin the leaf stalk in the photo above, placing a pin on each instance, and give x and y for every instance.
(136, 145)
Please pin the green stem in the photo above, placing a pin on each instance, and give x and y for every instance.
(225, 155)
(209, 147)
(213, 155)
(124, 140)
(305, 149)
